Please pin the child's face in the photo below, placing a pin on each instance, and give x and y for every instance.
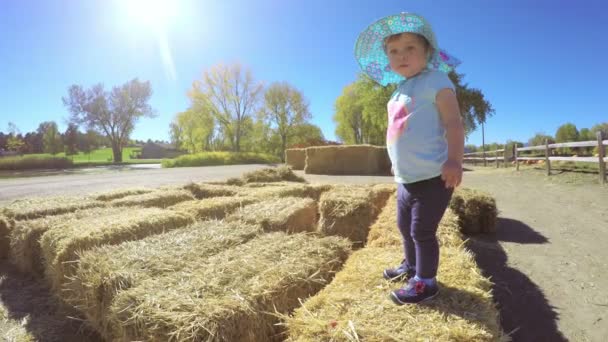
(407, 54)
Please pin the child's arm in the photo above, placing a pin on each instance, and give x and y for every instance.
(447, 104)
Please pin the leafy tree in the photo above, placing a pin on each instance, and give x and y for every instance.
(51, 139)
(284, 108)
(230, 95)
(71, 140)
(113, 113)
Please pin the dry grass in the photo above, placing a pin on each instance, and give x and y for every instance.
(296, 158)
(356, 306)
(212, 208)
(290, 214)
(116, 194)
(5, 230)
(106, 271)
(159, 199)
(285, 189)
(61, 245)
(25, 250)
(349, 211)
(230, 296)
(384, 232)
(267, 175)
(31, 208)
(476, 211)
(207, 190)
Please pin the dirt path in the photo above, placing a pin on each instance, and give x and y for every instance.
(549, 258)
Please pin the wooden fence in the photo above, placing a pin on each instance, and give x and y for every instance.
(498, 156)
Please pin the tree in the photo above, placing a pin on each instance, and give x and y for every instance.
(15, 143)
(601, 127)
(176, 135)
(71, 140)
(51, 138)
(112, 113)
(307, 135)
(539, 140)
(349, 116)
(566, 133)
(474, 108)
(196, 129)
(230, 95)
(284, 108)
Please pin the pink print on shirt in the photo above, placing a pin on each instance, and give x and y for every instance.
(397, 120)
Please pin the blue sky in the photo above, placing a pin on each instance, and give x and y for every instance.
(540, 63)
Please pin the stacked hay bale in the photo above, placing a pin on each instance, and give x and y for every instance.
(349, 211)
(25, 249)
(212, 207)
(476, 211)
(62, 244)
(5, 230)
(207, 190)
(296, 158)
(290, 214)
(349, 307)
(116, 194)
(159, 199)
(347, 160)
(31, 208)
(104, 272)
(231, 296)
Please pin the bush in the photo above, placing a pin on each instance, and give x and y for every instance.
(34, 162)
(220, 158)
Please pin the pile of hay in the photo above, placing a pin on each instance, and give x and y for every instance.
(347, 160)
(61, 244)
(267, 175)
(5, 230)
(159, 199)
(212, 208)
(207, 190)
(476, 211)
(384, 232)
(285, 189)
(25, 236)
(290, 214)
(116, 194)
(349, 211)
(231, 296)
(30, 208)
(105, 271)
(356, 305)
(296, 158)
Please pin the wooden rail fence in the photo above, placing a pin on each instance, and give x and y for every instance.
(498, 156)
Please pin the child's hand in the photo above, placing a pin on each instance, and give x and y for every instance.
(451, 173)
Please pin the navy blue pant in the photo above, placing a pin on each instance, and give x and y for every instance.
(420, 207)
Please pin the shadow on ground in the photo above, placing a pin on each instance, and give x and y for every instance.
(525, 313)
(28, 300)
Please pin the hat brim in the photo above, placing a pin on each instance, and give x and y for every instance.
(372, 59)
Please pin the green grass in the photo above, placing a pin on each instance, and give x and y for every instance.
(220, 158)
(61, 161)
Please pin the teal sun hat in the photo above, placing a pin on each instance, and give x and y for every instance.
(370, 54)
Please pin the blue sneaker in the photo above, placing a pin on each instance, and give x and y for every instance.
(415, 291)
(401, 273)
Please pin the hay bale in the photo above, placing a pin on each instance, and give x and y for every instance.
(61, 245)
(207, 190)
(231, 296)
(159, 199)
(284, 189)
(104, 272)
(290, 214)
(116, 194)
(476, 211)
(25, 250)
(296, 158)
(349, 211)
(346, 160)
(6, 226)
(358, 297)
(384, 232)
(276, 174)
(212, 208)
(31, 208)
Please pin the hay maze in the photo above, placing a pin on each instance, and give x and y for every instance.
(266, 257)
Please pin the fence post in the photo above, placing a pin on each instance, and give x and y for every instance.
(547, 161)
(601, 152)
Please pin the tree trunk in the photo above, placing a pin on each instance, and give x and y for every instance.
(117, 152)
